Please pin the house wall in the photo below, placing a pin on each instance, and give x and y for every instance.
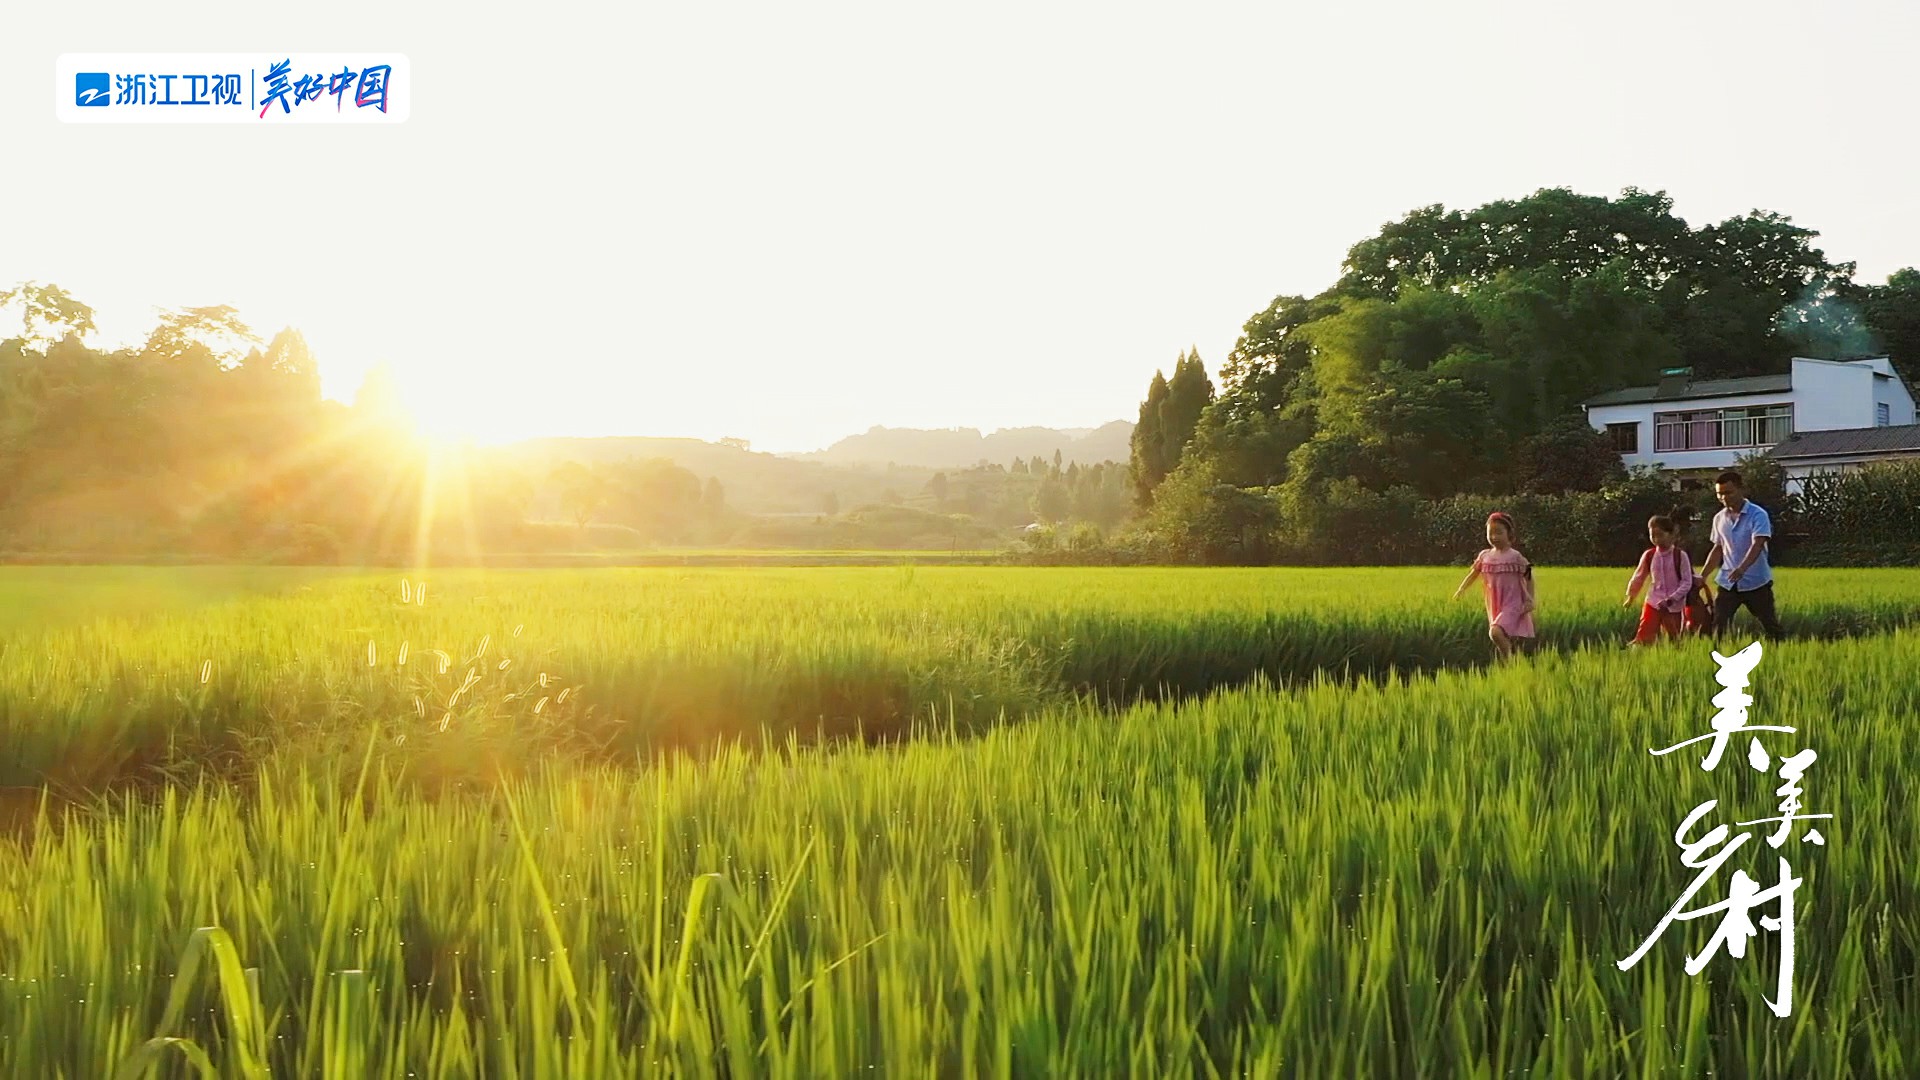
(1674, 460)
(1828, 396)
(1898, 399)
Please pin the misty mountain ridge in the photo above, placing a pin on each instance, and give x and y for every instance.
(958, 448)
(883, 465)
(878, 446)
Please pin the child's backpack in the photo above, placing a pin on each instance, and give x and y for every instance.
(1698, 614)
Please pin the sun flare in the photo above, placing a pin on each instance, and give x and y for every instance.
(445, 413)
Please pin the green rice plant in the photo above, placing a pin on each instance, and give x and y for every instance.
(1432, 876)
(240, 992)
(637, 663)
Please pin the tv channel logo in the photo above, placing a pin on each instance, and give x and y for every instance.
(91, 88)
(261, 89)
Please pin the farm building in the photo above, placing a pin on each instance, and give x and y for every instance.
(1694, 429)
(1823, 453)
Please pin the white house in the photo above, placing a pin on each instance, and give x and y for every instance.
(1819, 453)
(1695, 429)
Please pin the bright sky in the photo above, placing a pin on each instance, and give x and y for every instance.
(791, 221)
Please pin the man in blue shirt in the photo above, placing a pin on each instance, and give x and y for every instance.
(1741, 532)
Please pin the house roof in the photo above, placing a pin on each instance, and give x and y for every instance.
(1706, 388)
(1845, 441)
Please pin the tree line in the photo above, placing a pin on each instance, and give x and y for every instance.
(1450, 357)
(205, 440)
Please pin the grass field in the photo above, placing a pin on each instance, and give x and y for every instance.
(1203, 850)
(583, 559)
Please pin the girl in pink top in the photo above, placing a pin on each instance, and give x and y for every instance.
(1509, 586)
(1672, 574)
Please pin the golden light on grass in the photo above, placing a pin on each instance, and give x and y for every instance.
(446, 491)
(1199, 852)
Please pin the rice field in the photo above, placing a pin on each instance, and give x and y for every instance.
(1066, 823)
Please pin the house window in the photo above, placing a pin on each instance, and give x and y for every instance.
(1723, 429)
(1625, 437)
(1882, 415)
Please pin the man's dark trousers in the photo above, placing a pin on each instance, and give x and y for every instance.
(1728, 602)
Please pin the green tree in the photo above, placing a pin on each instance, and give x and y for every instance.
(1748, 270)
(975, 501)
(1148, 458)
(1565, 339)
(584, 493)
(47, 313)
(1267, 405)
(1197, 518)
(1189, 392)
(1434, 431)
(203, 336)
(1271, 355)
(1892, 314)
(1334, 455)
(1051, 500)
(1765, 482)
(290, 363)
(1569, 455)
(661, 499)
(1575, 234)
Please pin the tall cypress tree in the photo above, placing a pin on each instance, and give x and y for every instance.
(1188, 394)
(1145, 467)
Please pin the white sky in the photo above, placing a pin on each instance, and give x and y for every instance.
(789, 222)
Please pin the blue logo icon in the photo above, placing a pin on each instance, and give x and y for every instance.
(90, 88)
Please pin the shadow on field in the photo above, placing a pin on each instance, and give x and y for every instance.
(1119, 665)
(127, 734)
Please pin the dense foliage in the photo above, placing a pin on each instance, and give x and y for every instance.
(1446, 368)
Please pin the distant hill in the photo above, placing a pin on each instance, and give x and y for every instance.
(758, 483)
(854, 471)
(954, 448)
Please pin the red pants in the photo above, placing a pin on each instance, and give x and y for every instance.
(1697, 620)
(1653, 621)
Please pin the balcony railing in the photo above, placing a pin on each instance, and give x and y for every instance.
(1716, 432)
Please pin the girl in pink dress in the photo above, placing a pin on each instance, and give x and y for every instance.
(1509, 587)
